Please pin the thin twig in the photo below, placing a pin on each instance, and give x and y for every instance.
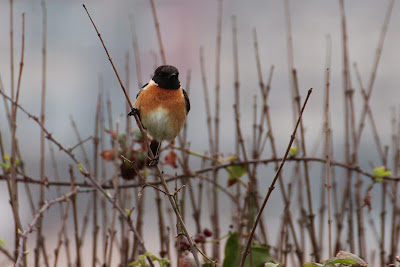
(12, 186)
(162, 52)
(109, 58)
(375, 67)
(136, 53)
(84, 172)
(206, 101)
(272, 186)
(32, 225)
(40, 242)
(311, 214)
(159, 173)
(327, 146)
(27, 179)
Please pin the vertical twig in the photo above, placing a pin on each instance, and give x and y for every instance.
(237, 104)
(217, 77)
(40, 237)
(346, 90)
(161, 222)
(12, 47)
(135, 45)
(95, 174)
(63, 214)
(162, 52)
(289, 42)
(206, 101)
(75, 220)
(112, 231)
(236, 83)
(125, 196)
(252, 194)
(78, 137)
(395, 189)
(327, 145)
(13, 187)
(299, 248)
(215, 212)
(311, 214)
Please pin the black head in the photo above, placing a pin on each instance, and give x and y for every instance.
(167, 77)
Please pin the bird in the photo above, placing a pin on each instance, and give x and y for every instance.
(162, 106)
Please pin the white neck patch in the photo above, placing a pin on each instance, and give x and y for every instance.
(152, 82)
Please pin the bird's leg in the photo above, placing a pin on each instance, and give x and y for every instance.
(156, 152)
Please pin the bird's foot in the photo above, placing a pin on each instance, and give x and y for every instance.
(133, 112)
(154, 161)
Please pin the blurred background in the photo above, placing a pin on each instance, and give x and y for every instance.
(76, 62)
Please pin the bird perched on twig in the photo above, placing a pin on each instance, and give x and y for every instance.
(162, 106)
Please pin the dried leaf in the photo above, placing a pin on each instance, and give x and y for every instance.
(170, 159)
(367, 201)
(108, 155)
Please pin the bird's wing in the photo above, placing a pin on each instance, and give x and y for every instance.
(186, 100)
(141, 90)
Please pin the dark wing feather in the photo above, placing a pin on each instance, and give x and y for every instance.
(138, 93)
(186, 100)
(141, 90)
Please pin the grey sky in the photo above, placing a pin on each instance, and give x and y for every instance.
(76, 58)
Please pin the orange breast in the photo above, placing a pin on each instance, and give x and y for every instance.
(162, 111)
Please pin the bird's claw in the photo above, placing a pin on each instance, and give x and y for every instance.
(154, 161)
(133, 112)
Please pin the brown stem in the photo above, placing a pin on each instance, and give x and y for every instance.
(33, 224)
(311, 214)
(272, 186)
(153, 9)
(346, 90)
(12, 186)
(207, 101)
(135, 45)
(159, 173)
(328, 147)
(95, 174)
(375, 67)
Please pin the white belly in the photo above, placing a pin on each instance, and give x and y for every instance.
(157, 124)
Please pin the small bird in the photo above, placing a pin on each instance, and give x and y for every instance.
(162, 106)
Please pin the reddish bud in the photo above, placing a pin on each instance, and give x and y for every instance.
(207, 232)
(199, 238)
